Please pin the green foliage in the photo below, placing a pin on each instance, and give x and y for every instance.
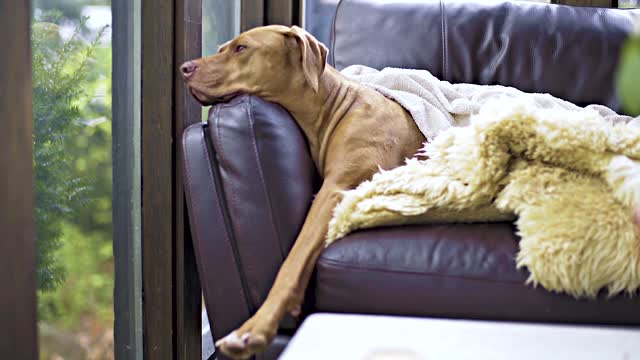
(628, 75)
(86, 296)
(91, 149)
(59, 80)
(72, 137)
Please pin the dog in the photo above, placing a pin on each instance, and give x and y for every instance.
(352, 131)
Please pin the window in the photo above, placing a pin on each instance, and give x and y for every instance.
(220, 23)
(628, 3)
(66, 134)
(71, 67)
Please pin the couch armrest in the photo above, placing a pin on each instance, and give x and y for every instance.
(249, 181)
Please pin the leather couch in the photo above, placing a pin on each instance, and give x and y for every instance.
(250, 179)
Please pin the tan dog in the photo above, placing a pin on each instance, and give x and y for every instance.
(351, 131)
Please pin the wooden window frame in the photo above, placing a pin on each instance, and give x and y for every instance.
(270, 12)
(126, 200)
(18, 309)
(171, 306)
(171, 33)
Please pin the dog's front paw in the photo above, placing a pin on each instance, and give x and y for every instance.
(241, 346)
(251, 338)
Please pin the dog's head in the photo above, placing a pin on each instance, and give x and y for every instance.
(264, 61)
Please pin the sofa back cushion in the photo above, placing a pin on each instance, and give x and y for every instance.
(569, 52)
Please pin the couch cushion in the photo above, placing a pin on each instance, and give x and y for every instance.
(569, 52)
(266, 178)
(460, 271)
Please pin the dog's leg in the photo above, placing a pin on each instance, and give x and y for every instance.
(287, 292)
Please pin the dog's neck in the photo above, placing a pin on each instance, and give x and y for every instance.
(319, 112)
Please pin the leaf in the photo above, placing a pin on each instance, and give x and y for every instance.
(628, 76)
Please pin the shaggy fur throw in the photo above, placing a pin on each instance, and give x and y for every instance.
(570, 179)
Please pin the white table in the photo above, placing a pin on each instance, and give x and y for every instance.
(359, 337)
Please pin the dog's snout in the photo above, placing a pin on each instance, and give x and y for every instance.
(188, 69)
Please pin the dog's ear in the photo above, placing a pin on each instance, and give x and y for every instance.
(314, 55)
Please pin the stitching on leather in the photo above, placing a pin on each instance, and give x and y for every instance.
(333, 30)
(233, 104)
(227, 219)
(195, 215)
(343, 265)
(445, 67)
(232, 198)
(274, 226)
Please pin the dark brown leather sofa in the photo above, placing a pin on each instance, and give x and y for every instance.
(250, 179)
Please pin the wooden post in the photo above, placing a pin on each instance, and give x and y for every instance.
(281, 12)
(171, 34)
(188, 45)
(252, 14)
(158, 171)
(18, 318)
(262, 12)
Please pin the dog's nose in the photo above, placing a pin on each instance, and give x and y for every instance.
(188, 69)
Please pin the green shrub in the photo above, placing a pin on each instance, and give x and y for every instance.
(59, 81)
(86, 296)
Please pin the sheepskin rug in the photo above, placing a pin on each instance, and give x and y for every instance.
(569, 179)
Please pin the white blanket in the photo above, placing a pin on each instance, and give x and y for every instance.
(436, 105)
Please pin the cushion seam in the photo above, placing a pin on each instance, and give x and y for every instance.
(196, 216)
(338, 264)
(232, 202)
(445, 68)
(189, 189)
(254, 139)
(335, 34)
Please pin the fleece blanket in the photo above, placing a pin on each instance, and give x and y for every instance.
(436, 105)
(568, 176)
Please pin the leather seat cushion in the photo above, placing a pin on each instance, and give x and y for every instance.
(457, 271)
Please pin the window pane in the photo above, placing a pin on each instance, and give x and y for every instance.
(71, 50)
(628, 3)
(220, 23)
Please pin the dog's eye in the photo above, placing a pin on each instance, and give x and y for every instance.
(240, 48)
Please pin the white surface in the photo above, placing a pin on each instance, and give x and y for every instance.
(207, 340)
(356, 337)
